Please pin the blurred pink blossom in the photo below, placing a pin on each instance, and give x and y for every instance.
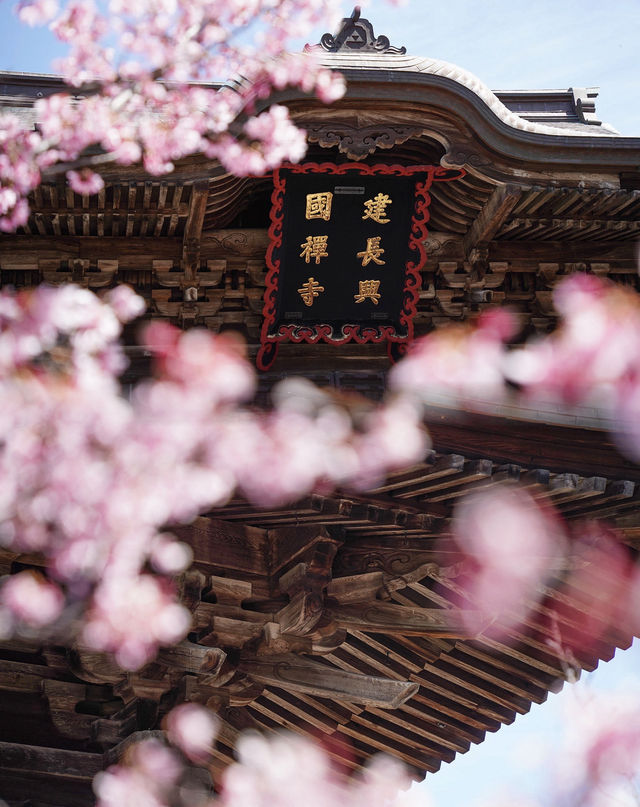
(594, 349)
(460, 362)
(510, 543)
(600, 752)
(193, 729)
(147, 779)
(92, 478)
(131, 617)
(126, 304)
(85, 181)
(595, 595)
(37, 12)
(32, 599)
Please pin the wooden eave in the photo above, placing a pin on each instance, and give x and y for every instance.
(414, 89)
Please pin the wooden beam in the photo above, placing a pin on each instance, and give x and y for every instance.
(194, 658)
(534, 251)
(491, 218)
(554, 447)
(20, 788)
(56, 762)
(175, 210)
(606, 226)
(193, 230)
(392, 619)
(221, 545)
(20, 676)
(376, 585)
(135, 252)
(300, 674)
(248, 242)
(382, 552)
(286, 544)
(304, 584)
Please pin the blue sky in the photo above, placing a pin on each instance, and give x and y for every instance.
(519, 44)
(499, 765)
(509, 44)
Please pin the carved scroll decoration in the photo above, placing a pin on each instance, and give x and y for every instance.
(358, 142)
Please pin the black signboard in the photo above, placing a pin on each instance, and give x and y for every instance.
(345, 253)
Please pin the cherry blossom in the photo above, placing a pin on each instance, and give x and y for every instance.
(279, 771)
(596, 593)
(147, 778)
(192, 729)
(117, 106)
(92, 478)
(593, 350)
(459, 362)
(510, 543)
(289, 771)
(131, 616)
(37, 12)
(600, 750)
(32, 599)
(85, 181)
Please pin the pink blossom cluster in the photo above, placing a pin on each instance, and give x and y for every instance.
(593, 350)
(593, 358)
(193, 730)
(512, 545)
(595, 759)
(143, 74)
(19, 171)
(519, 555)
(91, 479)
(601, 749)
(280, 771)
(458, 362)
(147, 777)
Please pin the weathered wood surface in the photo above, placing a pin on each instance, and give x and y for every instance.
(51, 761)
(491, 217)
(217, 544)
(299, 674)
(387, 618)
(585, 451)
(23, 788)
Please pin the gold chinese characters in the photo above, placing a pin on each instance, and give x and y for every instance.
(310, 290)
(376, 208)
(368, 290)
(372, 252)
(314, 247)
(319, 205)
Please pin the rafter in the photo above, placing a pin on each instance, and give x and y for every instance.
(191, 241)
(491, 218)
(392, 619)
(299, 674)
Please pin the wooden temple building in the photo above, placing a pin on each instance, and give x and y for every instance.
(352, 599)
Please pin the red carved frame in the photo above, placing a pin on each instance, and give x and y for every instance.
(312, 334)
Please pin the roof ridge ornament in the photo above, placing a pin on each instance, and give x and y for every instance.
(356, 34)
